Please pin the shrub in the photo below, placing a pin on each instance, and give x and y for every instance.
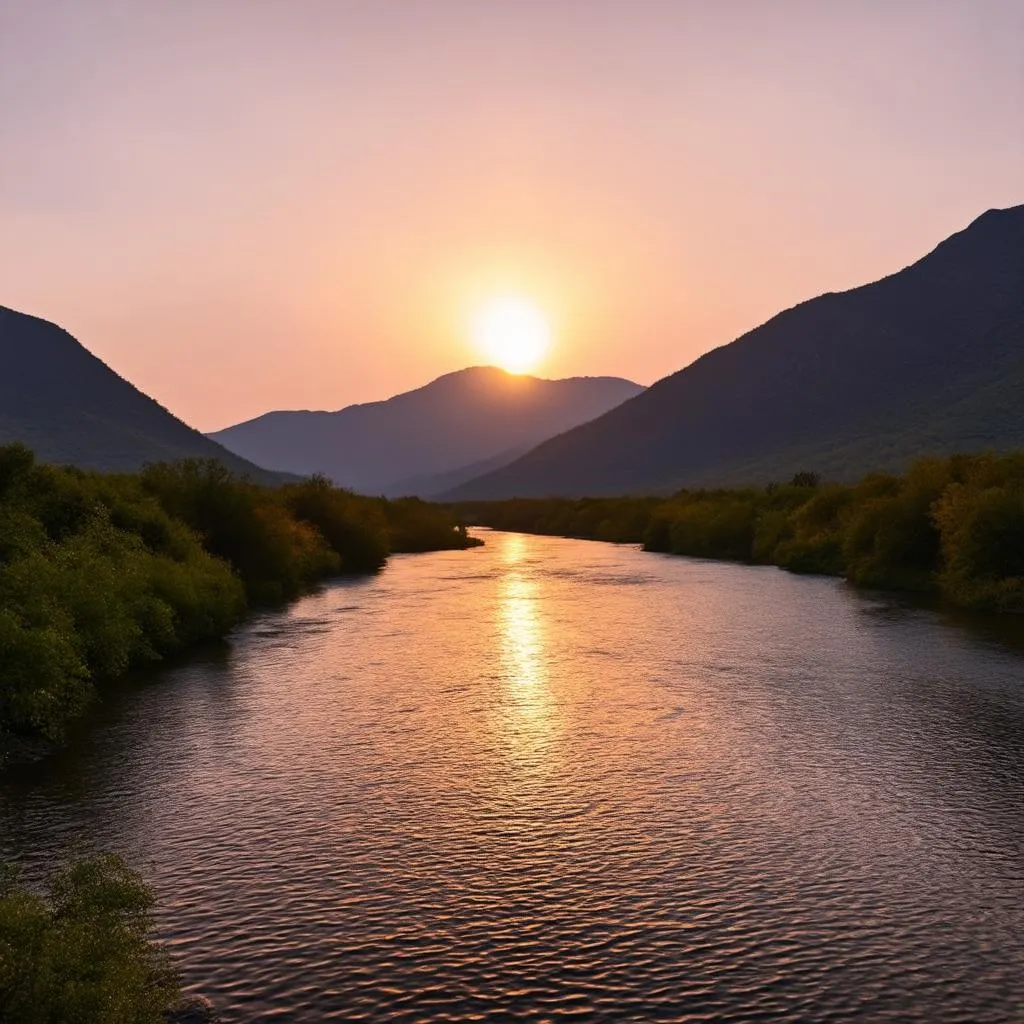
(84, 952)
(355, 528)
(955, 525)
(100, 573)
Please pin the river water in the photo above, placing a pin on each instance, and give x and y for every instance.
(551, 779)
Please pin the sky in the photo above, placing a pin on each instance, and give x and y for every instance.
(244, 205)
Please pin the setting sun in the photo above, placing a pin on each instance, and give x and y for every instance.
(513, 333)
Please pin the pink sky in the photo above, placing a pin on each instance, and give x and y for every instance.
(295, 204)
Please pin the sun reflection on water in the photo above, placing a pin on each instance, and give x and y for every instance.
(527, 704)
(522, 636)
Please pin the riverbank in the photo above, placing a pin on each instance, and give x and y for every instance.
(512, 754)
(952, 527)
(101, 574)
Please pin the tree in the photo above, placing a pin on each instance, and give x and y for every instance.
(84, 952)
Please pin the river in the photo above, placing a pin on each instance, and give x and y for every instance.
(559, 780)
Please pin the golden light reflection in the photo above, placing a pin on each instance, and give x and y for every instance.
(522, 634)
(529, 713)
(513, 549)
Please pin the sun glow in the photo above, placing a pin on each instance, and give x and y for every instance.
(512, 333)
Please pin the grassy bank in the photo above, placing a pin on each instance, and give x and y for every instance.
(951, 526)
(100, 573)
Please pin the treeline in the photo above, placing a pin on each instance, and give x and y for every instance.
(103, 572)
(952, 526)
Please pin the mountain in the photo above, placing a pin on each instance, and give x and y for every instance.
(928, 360)
(69, 407)
(433, 484)
(429, 439)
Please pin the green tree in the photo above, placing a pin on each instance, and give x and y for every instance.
(84, 952)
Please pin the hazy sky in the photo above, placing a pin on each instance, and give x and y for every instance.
(254, 204)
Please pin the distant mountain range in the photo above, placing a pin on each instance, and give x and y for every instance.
(928, 360)
(69, 407)
(431, 439)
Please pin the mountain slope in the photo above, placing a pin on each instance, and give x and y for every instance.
(462, 418)
(433, 484)
(843, 384)
(70, 407)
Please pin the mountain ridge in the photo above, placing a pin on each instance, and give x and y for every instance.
(70, 407)
(446, 426)
(444, 377)
(790, 383)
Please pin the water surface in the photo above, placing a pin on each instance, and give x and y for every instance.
(552, 780)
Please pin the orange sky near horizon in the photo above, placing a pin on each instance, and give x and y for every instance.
(269, 204)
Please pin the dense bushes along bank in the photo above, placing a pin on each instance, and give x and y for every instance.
(952, 526)
(83, 952)
(103, 572)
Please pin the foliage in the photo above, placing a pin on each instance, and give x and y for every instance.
(980, 519)
(953, 526)
(805, 479)
(83, 953)
(355, 528)
(415, 526)
(100, 573)
(620, 520)
(250, 527)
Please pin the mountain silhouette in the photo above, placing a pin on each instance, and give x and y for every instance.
(430, 439)
(928, 360)
(70, 407)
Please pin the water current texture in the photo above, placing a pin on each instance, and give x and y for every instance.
(555, 780)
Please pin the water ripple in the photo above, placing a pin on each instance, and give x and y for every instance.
(556, 781)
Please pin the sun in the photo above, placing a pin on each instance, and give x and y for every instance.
(513, 333)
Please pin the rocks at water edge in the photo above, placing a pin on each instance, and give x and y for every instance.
(191, 1010)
